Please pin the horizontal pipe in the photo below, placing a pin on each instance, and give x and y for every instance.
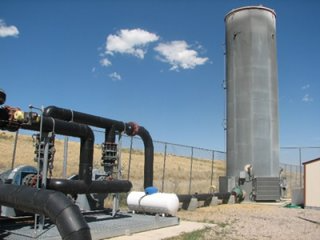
(82, 131)
(130, 129)
(203, 196)
(80, 187)
(92, 120)
(199, 197)
(55, 205)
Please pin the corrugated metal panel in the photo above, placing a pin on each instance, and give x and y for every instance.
(266, 188)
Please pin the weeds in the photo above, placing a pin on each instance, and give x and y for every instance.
(195, 235)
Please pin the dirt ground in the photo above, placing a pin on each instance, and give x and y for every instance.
(257, 221)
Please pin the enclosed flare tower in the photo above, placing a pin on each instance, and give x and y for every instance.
(252, 93)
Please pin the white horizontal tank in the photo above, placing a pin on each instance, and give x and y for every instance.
(161, 203)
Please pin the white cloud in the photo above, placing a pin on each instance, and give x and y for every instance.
(307, 98)
(105, 62)
(305, 87)
(131, 42)
(115, 76)
(8, 31)
(179, 55)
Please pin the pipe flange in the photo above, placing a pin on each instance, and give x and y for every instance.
(133, 129)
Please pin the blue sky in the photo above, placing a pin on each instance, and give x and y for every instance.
(159, 63)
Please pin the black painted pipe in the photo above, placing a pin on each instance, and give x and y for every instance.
(55, 205)
(79, 187)
(85, 183)
(199, 197)
(110, 135)
(148, 156)
(2, 96)
(75, 130)
(92, 120)
(130, 129)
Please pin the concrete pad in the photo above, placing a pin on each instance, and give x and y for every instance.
(214, 201)
(193, 204)
(158, 234)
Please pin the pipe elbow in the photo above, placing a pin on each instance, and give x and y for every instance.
(131, 128)
(145, 136)
(67, 217)
(49, 111)
(59, 208)
(149, 158)
(59, 113)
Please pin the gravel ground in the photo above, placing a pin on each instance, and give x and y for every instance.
(257, 221)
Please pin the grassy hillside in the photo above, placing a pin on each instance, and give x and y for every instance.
(177, 171)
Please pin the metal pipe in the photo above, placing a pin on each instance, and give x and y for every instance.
(92, 120)
(80, 187)
(2, 96)
(130, 129)
(75, 130)
(85, 183)
(14, 149)
(59, 208)
(110, 135)
(130, 153)
(198, 196)
(148, 156)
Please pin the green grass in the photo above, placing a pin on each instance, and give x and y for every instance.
(195, 235)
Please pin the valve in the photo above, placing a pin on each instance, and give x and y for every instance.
(39, 145)
(7, 118)
(31, 180)
(109, 157)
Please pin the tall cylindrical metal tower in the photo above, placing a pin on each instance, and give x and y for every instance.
(252, 91)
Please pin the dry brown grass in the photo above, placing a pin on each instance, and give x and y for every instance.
(177, 171)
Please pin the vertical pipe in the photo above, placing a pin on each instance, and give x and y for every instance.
(14, 149)
(164, 166)
(119, 165)
(190, 177)
(212, 168)
(37, 216)
(130, 152)
(148, 156)
(116, 196)
(225, 98)
(44, 172)
(65, 157)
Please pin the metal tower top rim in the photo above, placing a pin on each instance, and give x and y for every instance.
(260, 7)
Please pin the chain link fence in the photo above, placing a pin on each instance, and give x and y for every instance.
(291, 165)
(177, 168)
(186, 169)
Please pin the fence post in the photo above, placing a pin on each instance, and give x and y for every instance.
(190, 178)
(65, 156)
(130, 151)
(300, 166)
(212, 168)
(164, 166)
(291, 177)
(14, 149)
